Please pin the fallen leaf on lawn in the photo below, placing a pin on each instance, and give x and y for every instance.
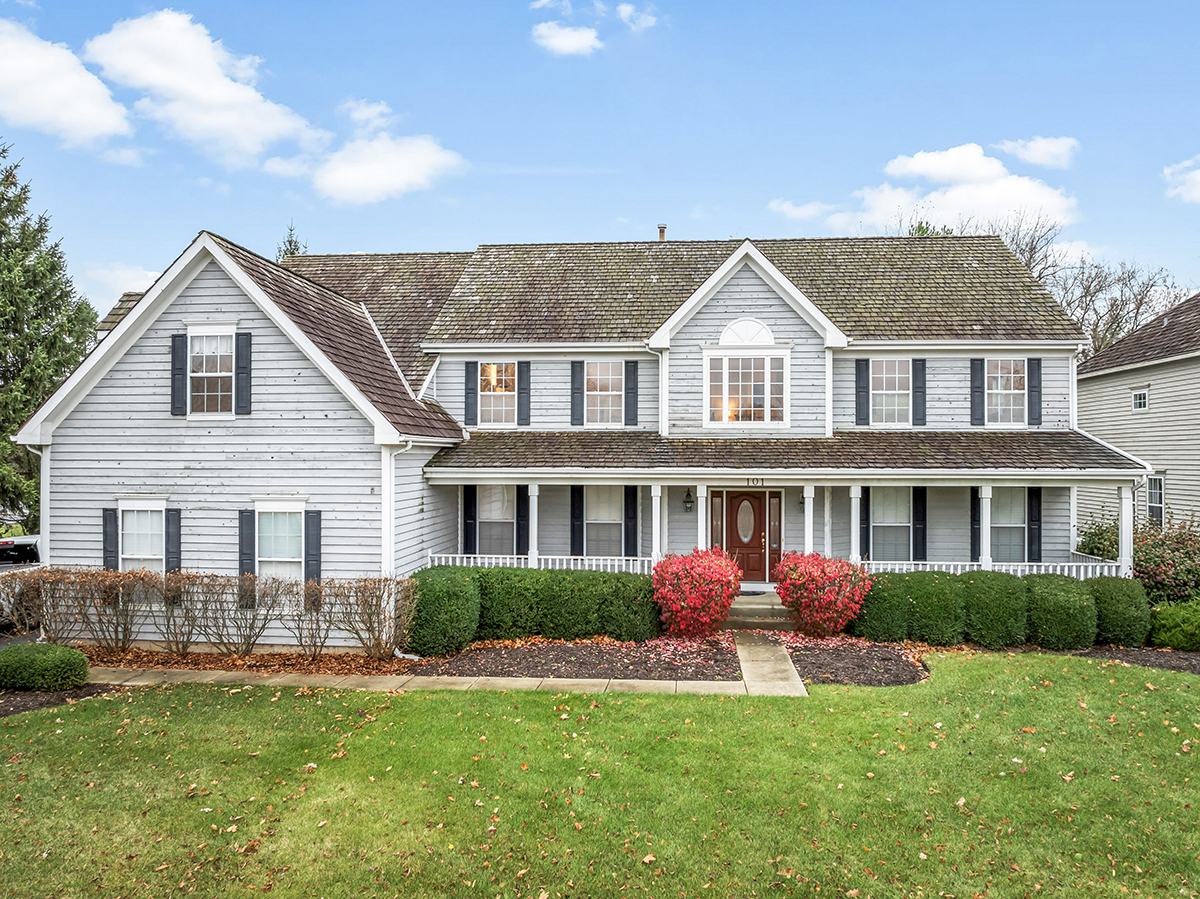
(323, 823)
(647, 859)
(1068, 777)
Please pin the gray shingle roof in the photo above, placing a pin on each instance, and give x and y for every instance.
(117, 314)
(849, 450)
(885, 288)
(1175, 332)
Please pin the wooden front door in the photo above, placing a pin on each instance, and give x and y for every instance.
(746, 533)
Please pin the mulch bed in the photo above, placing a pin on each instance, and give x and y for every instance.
(850, 661)
(32, 700)
(1169, 659)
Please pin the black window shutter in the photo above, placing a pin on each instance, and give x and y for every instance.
(241, 369)
(179, 384)
(110, 538)
(471, 394)
(977, 410)
(864, 524)
(976, 530)
(246, 555)
(523, 393)
(522, 520)
(1033, 388)
(173, 556)
(576, 520)
(312, 545)
(631, 510)
(862, 391)
(631, 392)
(577, 393)
(1033, 498)
(918, 392)
(920, 505)
(470, 534)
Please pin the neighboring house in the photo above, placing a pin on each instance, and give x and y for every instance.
(905, 401)
(1143, 394)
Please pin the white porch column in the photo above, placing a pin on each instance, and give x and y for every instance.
(656, 521)
(1125, 536)
(855, 515)
(985, 527)
(810, 498)
(702, 516)
(828, 522)
(533, 525)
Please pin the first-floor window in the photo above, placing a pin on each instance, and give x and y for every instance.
(497, 511)
(142, 539)
(1008, 524)
(1155, 504)
(604, 517)
(891, 524)
(745, 389)
(280, 544)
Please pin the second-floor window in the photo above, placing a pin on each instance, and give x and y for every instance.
(1005, 385)
(605, 393)
(210, 367)
(891, 391)
(745, 389)
(1141, 399)
(498, 393)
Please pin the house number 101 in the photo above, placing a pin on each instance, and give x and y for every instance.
(755, 482)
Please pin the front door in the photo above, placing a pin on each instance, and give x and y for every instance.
(746, 533)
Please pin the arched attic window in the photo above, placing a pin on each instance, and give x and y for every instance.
(747, 332)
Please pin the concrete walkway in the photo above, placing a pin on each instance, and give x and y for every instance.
(767, 668)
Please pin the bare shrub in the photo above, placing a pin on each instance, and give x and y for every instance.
(309, 616)
(177, 617)
(236, 610)
(21, 599)
(110, 603)
(376, 611)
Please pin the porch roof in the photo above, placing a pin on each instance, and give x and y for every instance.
(975, 450)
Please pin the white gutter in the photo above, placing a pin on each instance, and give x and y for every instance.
(387, 547)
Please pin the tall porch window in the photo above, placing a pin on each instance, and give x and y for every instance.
(604, 516)
(1008, 524)
(891, 524)
(497, 511)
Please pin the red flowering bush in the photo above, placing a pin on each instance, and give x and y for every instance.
(694, 592)
(823, 595)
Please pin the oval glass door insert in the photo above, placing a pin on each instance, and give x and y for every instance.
(745, 521)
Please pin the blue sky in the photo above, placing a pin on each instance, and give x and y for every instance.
(439, 126)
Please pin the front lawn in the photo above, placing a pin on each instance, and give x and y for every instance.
(1001, 776)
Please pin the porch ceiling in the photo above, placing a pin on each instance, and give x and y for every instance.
(1044, 451)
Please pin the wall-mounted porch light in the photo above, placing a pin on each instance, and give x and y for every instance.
(689, 501)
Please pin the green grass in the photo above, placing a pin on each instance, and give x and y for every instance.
(890, 792)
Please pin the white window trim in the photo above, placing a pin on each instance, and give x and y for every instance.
(139, 502)
(890, 425)
(1133, 394)
(279, 504)
(498, 425)
(211, 329)
(893, 525)
(1006, 425)
(767, 351)
(604, 425)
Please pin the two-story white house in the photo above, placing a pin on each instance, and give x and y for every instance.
(908, 402)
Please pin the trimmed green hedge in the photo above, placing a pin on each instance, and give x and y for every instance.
(1062, 614)
(628, 611)
(996, 610)
(885, 612)
(569, 604)
(1176, 625)
(936, 616)
(42, 666)
(447, 613)
(508, 602)
(1122, 612)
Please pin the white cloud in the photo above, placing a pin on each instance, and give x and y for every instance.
(44, 86)
(564, 6)
(637, 21)
(288, 167)
(790, 210)
(958, 165)
(104, 282)
(566, 40)
(1051, 152)
(371, 169)
(197, 88)
(1184, 180)
(366, 115)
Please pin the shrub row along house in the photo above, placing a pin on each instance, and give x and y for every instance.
(909, 402)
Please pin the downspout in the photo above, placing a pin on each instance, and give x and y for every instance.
(664, 426)
(387, 549)
(43, 502)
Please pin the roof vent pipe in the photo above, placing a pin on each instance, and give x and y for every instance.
(662, 232)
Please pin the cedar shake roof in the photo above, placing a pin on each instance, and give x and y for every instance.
(851, 450)
(878, 288)
(404, 292)
(342, 331)
(1174, 333)
(117, 314)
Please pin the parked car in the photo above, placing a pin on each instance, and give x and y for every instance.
(16, 551)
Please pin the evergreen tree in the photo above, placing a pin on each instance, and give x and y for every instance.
(291, 245)
(46, 329)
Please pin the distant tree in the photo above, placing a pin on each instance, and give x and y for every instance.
(46, 329)
(923, 228)
(291, 245)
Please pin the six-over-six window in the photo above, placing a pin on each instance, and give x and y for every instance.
(210, 370)
(1005, 391)
(498, 393)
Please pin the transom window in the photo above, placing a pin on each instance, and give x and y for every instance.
(891, 524)
(745, 389)
(891, 391)
(604, 518)
(605, 393)
(1141, 400)
(210, 371)
(1006, 391)
(280, 544)
(498, 393)
(1155, 500)
(1008, 524)
(496, 508)
(142, 539)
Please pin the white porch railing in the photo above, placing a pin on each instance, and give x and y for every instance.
(632, 564)
(1083, 569)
